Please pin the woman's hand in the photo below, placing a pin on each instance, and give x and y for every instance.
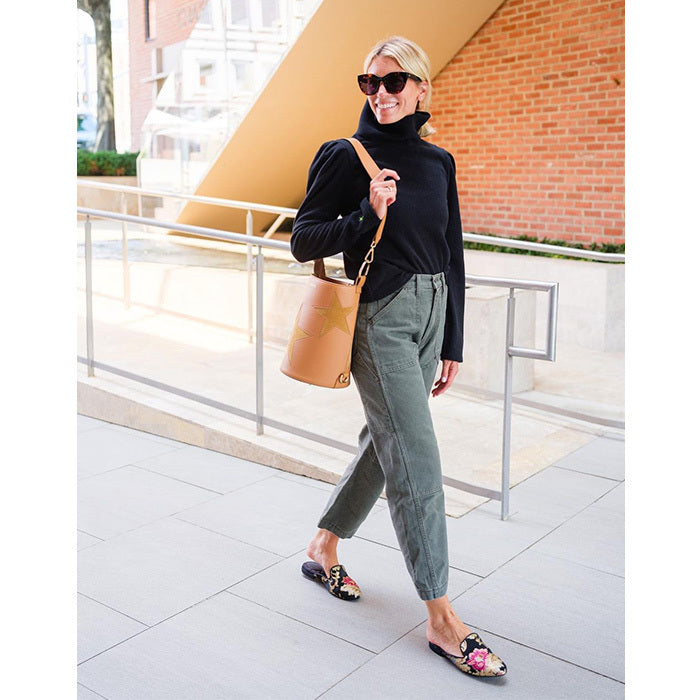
(382, 192)
(449, 372)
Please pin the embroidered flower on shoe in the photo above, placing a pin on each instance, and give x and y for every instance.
(477, 659)
(349, 586)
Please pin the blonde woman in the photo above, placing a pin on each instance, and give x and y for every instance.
(409, 323)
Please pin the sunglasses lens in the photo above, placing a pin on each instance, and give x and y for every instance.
(394, 82)
(369, 84)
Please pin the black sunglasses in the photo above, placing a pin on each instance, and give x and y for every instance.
(393, 82)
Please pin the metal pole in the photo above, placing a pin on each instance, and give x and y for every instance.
(88, 298)
(249, 268)
(125, 258)
(259, 269)
(507, 407)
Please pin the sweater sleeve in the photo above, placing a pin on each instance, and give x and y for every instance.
(317, 231)
(454, 321)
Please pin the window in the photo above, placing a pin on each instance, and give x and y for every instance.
(271, 13)
(205, 15)
(244, 76)
(238, 13)
(206, 72)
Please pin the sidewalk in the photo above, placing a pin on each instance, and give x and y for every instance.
(190, 585)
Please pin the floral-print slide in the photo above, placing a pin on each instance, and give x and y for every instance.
(338, 583)
(476, 660)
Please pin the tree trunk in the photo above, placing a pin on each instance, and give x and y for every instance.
(99, 10)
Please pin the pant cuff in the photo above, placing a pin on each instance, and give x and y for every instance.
(432, 593)
(337, 531)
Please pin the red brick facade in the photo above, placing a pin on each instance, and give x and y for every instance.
(532, 108)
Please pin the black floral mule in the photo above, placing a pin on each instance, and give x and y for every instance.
(338, 583)
(476, 660)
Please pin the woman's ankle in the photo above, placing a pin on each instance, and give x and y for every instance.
(323, 549)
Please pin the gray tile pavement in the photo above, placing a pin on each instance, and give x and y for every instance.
(604, 457)
(190, 586)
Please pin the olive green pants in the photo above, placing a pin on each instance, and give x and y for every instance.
(396, 351)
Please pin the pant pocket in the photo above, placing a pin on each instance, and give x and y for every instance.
(376, 309)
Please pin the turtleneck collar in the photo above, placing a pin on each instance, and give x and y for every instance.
(369, 129)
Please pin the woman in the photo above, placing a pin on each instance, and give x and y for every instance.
(410, 318)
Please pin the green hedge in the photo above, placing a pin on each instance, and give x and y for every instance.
(597, 247)
(106, 163)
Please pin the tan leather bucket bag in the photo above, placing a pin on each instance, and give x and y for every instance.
(320, 347)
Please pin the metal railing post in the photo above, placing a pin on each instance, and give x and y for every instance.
(125, 258)
(259, 270)
(249, 268)
(88, 298)
(507, 406)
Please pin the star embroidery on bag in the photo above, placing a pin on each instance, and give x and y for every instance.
(336, 315)
(298, 334)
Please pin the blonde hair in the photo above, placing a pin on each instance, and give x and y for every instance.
(412, 59)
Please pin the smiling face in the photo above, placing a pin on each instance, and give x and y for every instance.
(390, 108)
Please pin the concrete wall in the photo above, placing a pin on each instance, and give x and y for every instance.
(591, 295)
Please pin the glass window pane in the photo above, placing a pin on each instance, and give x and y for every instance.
(271, 13)
(238, 13)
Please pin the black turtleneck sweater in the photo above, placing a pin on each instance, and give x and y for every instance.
(423, 230)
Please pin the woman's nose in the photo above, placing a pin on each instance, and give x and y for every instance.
(382, 90)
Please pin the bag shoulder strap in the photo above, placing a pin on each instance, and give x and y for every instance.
(367, 161)
(372, 170)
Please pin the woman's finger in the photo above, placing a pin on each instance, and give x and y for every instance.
(385, 173)
(449, 372)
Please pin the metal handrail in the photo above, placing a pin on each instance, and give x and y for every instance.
(287, 212)
(552, 289)
(218, 201)
(544, 247)
(470, 280)
(215, 233)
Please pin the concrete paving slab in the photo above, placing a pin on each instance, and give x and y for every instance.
(86, 423)
(208, 469)
(408, 669)
(480, 542)
(102, 449)
(614, 500)
(603, 457)
(593, 538)
(556, 618)
(164, 567)
(276, 514)
(554, 495)
(100, 628)
(85, 540)
(87, 694)
(558, 607)
(388, 609)
(128, 497)
(223, 648)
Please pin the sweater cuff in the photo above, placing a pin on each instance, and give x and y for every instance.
(450, 351)
(367, 218)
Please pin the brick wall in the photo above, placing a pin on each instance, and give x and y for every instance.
(174, 21)
(532, 108)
